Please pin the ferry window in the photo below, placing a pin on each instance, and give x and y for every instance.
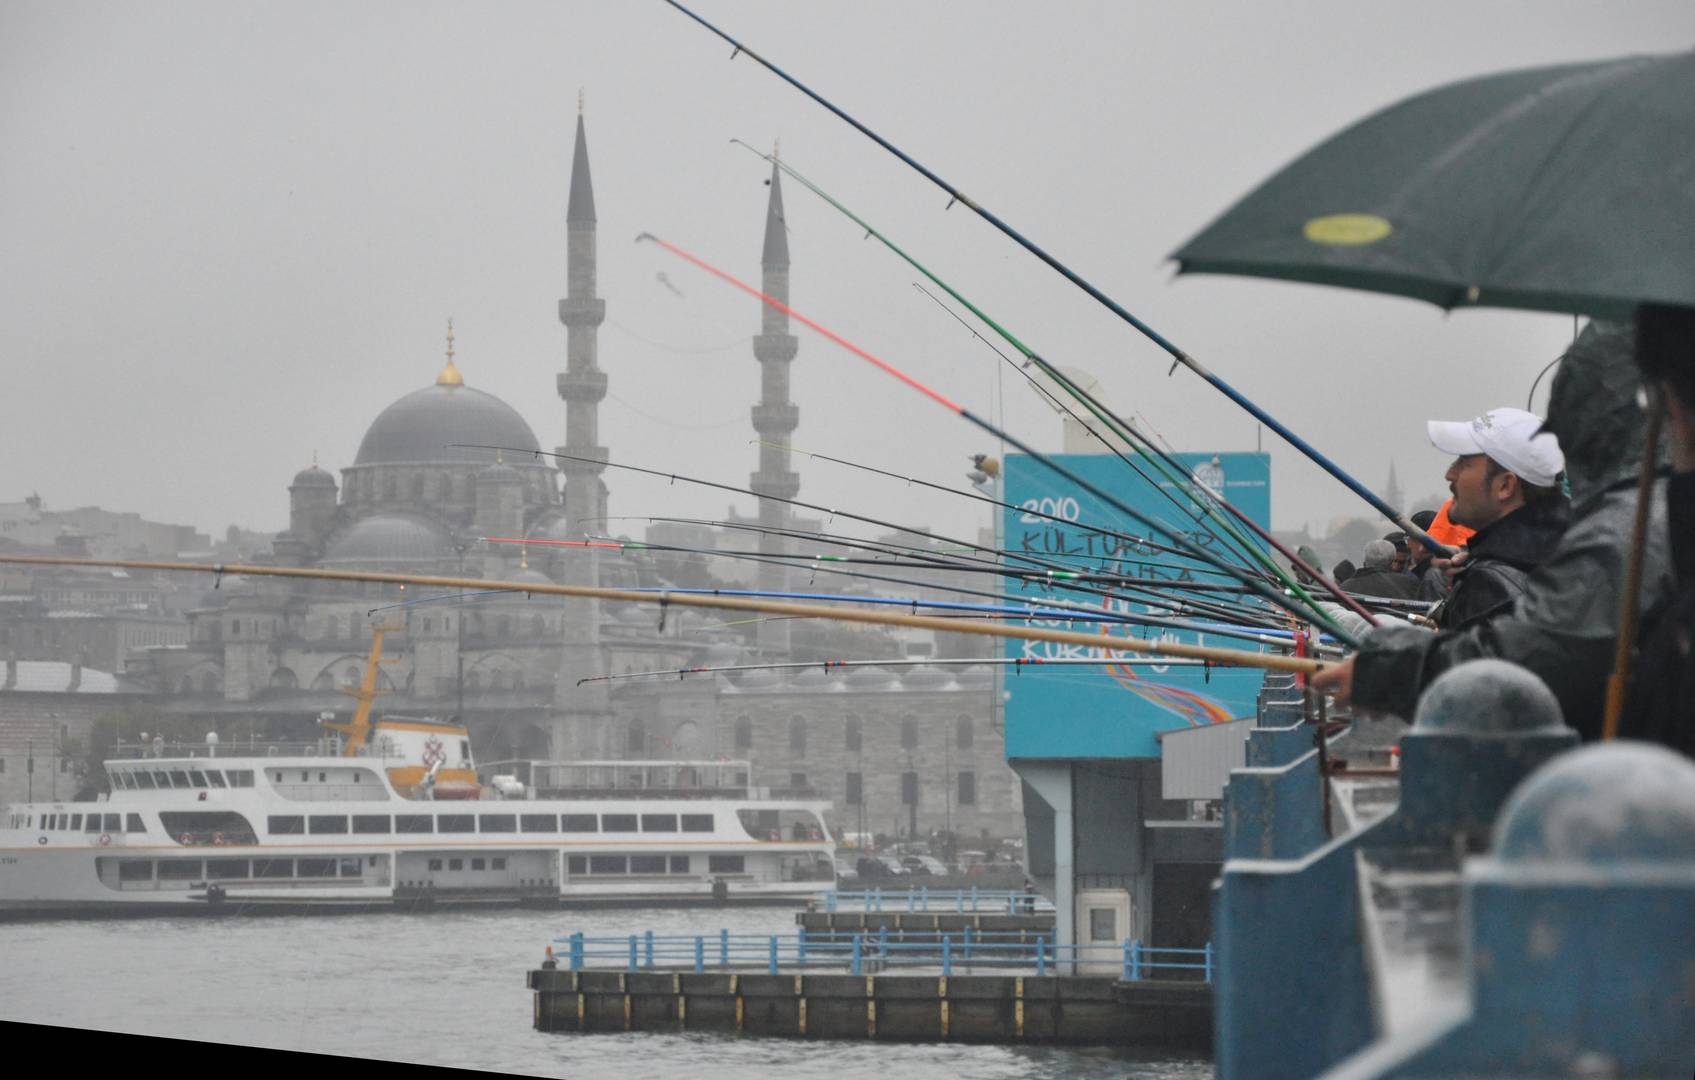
(285, 825)
(133, 823)
(697, 823)
(464, 749)
(606, 864)
(207, 827)
(179, 778)
(47, 821)
(414, 823)
(580, 823)
(322, 778)
(371, 823)
(477, 864)
(618, 822)
(161, 778)
(497, 864)
(179, 869)
(350, 867)
(196, 778)
(659, 823)
(725, 864)
(273, 868)
(456, 864)
(967, 789)
(539, 822)
(456, 823)
(315, 868)
(577, 864)
(326, 823)
(94, 823)
(279, 778)
(226, 868)
(216, 777)
(241, 778)
(647, 864)
(498, 822)
(135, 870)
(855, 789)
(679, 864)
(76, 822)
(114, 823)
(435, 864)
(142, 780)
(304, 776)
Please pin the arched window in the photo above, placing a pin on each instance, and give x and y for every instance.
(964, 734)
(283, 679)
(797, 736)
(499, 681)
(350, 677)
(909, 733)
(744, 733)
(855, 735)
(209, 683)
(517, 680)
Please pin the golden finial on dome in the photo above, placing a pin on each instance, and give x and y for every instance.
(450, 375)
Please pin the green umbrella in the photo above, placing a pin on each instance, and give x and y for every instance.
(1568, 188)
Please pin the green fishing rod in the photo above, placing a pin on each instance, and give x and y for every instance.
(1198, 493)
(1178, 355)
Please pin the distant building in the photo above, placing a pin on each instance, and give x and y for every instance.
(51, 715)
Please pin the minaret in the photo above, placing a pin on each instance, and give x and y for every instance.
(583, 714)
(582, 384)
(774, 418)
(1392, 491)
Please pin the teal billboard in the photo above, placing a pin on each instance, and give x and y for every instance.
(1114, 710)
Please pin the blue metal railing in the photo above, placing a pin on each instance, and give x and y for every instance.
(879, 951)
(924, 899)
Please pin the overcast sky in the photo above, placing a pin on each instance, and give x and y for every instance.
(233, 233)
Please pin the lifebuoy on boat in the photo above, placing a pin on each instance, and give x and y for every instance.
(105, 839)
(185, 839)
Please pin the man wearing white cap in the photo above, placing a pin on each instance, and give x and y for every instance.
(1505, 483)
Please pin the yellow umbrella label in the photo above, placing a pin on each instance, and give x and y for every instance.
(1347, 230)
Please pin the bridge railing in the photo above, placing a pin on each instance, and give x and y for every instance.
(925, 899)
(865, 953)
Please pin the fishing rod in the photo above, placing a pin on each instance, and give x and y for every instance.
(1057, 610)
(1178, 355)
(833, 665)
(664, 599)
(1304, 611)
(1027, 557)
(1173, 470)
(1086, 582)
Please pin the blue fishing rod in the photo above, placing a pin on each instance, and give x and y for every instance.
(1178, 355)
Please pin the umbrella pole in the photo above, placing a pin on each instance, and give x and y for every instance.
(1630, 603)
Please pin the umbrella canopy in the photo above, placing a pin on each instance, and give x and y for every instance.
(1567, 188)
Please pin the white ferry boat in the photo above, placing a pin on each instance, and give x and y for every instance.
(395, 814)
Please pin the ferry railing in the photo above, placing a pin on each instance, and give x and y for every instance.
(925, 899)
(866, 953)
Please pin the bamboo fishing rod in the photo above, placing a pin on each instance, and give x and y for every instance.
(834, 665)
(664, 599)
(1307, 611)
(1173, 470)
(1178, 355)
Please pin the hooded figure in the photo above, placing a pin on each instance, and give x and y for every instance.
(1565, 625)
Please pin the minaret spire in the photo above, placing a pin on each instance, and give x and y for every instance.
(775, 417)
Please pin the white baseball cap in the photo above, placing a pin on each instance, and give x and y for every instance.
(1512, 438)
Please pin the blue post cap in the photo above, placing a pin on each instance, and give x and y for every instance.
(1608, 804)
(1487, 697)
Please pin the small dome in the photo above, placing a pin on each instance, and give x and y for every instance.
(872, 678)
(810, 678)
(928, 677)
(527, 575)
(312, 476)
(384, 539)
(1617, 802)
(424, 425)
(722, 654)
(975, 676)
(1489, 697)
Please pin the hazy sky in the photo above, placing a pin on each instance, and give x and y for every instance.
(233, 233)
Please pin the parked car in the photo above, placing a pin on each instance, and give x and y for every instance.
(846, 869)
(924, 866)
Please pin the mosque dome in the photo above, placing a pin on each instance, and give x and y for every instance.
(312, 476)
(424, 425)
(384, 539)
(928, 677)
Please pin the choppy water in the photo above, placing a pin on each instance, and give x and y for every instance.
(443, 989)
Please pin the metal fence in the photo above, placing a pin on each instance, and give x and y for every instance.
(872, 952)
(922, 899)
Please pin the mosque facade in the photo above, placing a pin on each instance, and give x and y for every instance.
(895, 750)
